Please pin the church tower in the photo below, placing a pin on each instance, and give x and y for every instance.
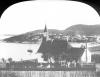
(45, 34)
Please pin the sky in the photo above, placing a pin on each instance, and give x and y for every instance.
(32, 15)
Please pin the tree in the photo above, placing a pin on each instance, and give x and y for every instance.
(3, 60)
(10, 60)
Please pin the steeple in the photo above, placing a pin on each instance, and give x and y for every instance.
(46, 33)
(45, 30)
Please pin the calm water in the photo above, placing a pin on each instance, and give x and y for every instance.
(18, 51)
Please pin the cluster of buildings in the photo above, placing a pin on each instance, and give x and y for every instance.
(71, 38)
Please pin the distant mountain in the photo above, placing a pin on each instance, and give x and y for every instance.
(83, 30)
(33, 36)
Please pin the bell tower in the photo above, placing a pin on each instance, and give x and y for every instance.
(45, 31)
(45, 34)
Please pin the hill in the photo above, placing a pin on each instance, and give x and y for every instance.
(30, 37)
(88, 30)
(34, 36)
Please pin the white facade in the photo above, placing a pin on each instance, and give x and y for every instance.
(86, 57)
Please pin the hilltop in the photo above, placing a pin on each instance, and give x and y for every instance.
(88, 30)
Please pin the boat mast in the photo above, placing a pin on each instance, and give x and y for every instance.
(86, 50)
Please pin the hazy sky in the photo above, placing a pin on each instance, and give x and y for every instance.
(31, 15)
